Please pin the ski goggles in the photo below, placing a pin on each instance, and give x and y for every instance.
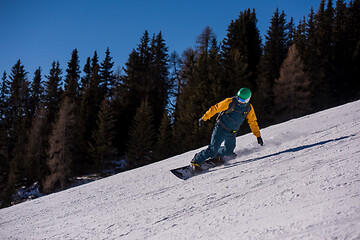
(243, 100)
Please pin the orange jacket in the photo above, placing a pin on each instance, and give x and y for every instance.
(224, 105)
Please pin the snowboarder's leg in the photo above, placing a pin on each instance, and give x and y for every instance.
(229, 146)
(217, 138)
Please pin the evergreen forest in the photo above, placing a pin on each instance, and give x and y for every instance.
(76, 120)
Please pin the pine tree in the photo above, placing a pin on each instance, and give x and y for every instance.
(53, 92)
(146, 76)
(356, 71)
(164, 142)
(62, 143)
(237, 74)
(10, 130)
(202, 74)
(275, 50)
(199, 92)
(17, 116)
(106, 74)
(309, 53)
(19, 95)
(91, 101)
(185, 117)
(159, 76)
(346, 41)
(241, 50)
(35, 157)
(4, 92)
(354, 25)
(17, 122)
(102, 150)
(174, 70)
(300, 37)
(322, 75)
(122, 116)
(4, 155)
(9, 190)
(292, 95)
(141, 137)
(342, 54)
(136, 84)
(36, 92)
(72, 77)
(291, 30)
(86, 78)
(207, 72)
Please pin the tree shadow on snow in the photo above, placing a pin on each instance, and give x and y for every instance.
(291, 150)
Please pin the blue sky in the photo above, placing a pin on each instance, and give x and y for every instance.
(39, 32)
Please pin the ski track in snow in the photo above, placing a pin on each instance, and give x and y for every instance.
(304, 183)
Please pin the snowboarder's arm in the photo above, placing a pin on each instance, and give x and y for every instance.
(219, 107)
(252, 120)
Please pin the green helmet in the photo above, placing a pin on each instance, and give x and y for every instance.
(244, 95)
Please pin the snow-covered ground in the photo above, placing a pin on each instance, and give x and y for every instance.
(304, 183)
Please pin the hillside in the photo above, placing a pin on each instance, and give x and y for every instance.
(304, 183)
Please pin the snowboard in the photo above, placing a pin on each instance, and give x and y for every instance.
(187, 172)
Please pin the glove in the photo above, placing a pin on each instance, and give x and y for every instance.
(260, 141)
(201, 122)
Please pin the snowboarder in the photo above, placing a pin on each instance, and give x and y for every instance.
(232, 112)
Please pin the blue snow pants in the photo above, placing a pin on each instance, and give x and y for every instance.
(218, 136)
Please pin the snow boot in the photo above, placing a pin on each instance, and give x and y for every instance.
(195, 166)
(217, 160)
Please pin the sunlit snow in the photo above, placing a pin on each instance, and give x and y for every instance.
(304, 183)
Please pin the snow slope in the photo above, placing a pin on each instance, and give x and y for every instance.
(304, 183)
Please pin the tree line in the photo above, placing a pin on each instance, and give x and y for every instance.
(68, 123)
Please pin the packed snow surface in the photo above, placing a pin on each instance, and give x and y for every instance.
(304, 183)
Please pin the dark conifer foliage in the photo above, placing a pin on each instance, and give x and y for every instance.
(53, 92)
(202, 74)
(164, 145)
(107, 82)
(241, 50)
(17, 116)
(122, 116)
(323, 55)
(141, 136)
(354, 43)
(17, 120)
(136, 83)
(159, 71)
(36, 148)
(62, 145)
(102, 149)
(146, 77)
(275, 50)
(87, 74)
(185, 119)
(174, 69)
(276, 47)
(4, 154)
(36, 91)
(300, 36)
(345, 41)
(4, 91)
(91, 99)
(292, 93)
(72, 77)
